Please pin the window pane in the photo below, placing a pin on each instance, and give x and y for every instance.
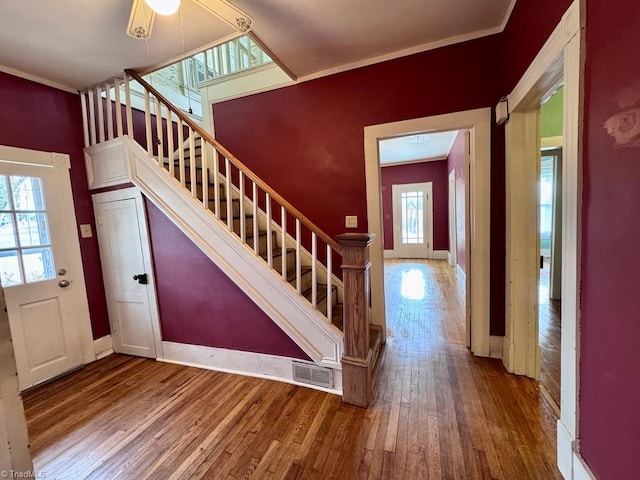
(10, 268)
(38, 264)
(5, 198)
(27, 193)
(33, 229)
(7, 231)
(412, 217)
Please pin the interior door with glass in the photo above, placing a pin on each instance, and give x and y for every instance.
(412, 220)
(46, 303)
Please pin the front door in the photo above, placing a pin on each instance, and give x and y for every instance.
(412, 220)
(128, 272)
(40, 266)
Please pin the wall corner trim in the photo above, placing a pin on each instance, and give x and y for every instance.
(440, 255)
(496, 344)
(103, 347)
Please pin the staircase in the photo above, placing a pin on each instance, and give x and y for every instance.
(277, 256)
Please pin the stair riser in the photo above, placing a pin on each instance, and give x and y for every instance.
(235, 208)
(210, 192)
(291, 262)
(262, 242)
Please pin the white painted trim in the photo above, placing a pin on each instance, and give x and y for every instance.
(411, 162)
(478, 122)
(461, 277)
(390, 254)
(402, 53)
(496, 345)
(34, 78)
(250, 364)
(558, 62)
(103, 347)
(440, 255)
(507, 16)
(105, 164)
(552, 142)
(452, 216)
(322, 341)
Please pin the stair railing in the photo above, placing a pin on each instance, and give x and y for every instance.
(165, 130)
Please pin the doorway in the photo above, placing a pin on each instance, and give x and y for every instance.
(477, 173)
(413, 219)
(40, 266)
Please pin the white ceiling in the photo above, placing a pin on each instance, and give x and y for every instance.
(79, 43)
(416, 147)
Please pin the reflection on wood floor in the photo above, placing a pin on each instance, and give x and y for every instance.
(438, 412)
(549, 337)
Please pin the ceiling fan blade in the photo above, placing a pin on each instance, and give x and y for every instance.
(228, 13)
(140, 20)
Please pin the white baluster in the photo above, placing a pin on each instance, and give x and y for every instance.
(92, 118)
(100, 114)
(160, 141)
(181, 153)
(192, 164)
(147, 122)
(227, 174)
(329, 285)
(85, 119)
(118, 108)
(256, 236)
(216, 185)
(269, 246)
(170, 148)
(243, 220)
(283, 241)
(107, 91)
(127, 94)
(298, 266)
(314, 270)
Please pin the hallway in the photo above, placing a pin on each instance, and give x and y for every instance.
(438, 411)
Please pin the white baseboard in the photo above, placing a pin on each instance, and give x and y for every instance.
(461, 277)
(103, 347)
(390, 254)
(250, 364)
(495, 346)
(570, 463)
(440, 254)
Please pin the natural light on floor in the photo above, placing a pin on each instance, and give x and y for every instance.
(412, 287)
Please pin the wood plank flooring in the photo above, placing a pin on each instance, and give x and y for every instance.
(438, 412)
(549, 337)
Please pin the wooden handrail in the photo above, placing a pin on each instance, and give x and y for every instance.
(238, 164)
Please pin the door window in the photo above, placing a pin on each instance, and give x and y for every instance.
(26, 255)
(412, 217)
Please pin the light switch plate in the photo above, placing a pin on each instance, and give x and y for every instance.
(85, 230)
(351, 221)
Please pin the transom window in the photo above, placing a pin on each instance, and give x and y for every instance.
(26, 255)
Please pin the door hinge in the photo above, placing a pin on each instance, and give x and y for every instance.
(99, 221)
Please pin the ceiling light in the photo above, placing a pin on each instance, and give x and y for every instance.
(164, 7)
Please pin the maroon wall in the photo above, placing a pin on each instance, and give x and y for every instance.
(307, 140)
(38, 117)
(610, 318)
(457, 160)
(200, 305)
(435, 172)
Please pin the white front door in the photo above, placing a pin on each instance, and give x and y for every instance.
(412, 220)
(40, 266)
(128, 272)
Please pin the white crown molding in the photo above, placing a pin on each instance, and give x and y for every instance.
(411, 162)
(507, 15)
(34, 78)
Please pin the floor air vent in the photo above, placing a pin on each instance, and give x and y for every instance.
(312, 374)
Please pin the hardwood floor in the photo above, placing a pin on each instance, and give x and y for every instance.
(438, 412)
(549, 338)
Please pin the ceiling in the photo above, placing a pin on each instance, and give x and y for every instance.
(76, 44)
(422, 147)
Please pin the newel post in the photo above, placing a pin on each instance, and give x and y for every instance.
(356, 361)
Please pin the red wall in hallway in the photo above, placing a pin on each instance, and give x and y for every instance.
(457, 160)
(200, 305)
(435, 172)
(307, 140)
(610, 318)
(38, 117)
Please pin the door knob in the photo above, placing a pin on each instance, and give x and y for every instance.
(62, 272)
(141, 278)
(64, 283)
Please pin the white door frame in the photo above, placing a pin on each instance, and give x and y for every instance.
(134, 193)
(453, 231)
(477, 217)
(427, 187)
(557, 63)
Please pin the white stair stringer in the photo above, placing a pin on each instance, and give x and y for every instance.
(320, 340)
